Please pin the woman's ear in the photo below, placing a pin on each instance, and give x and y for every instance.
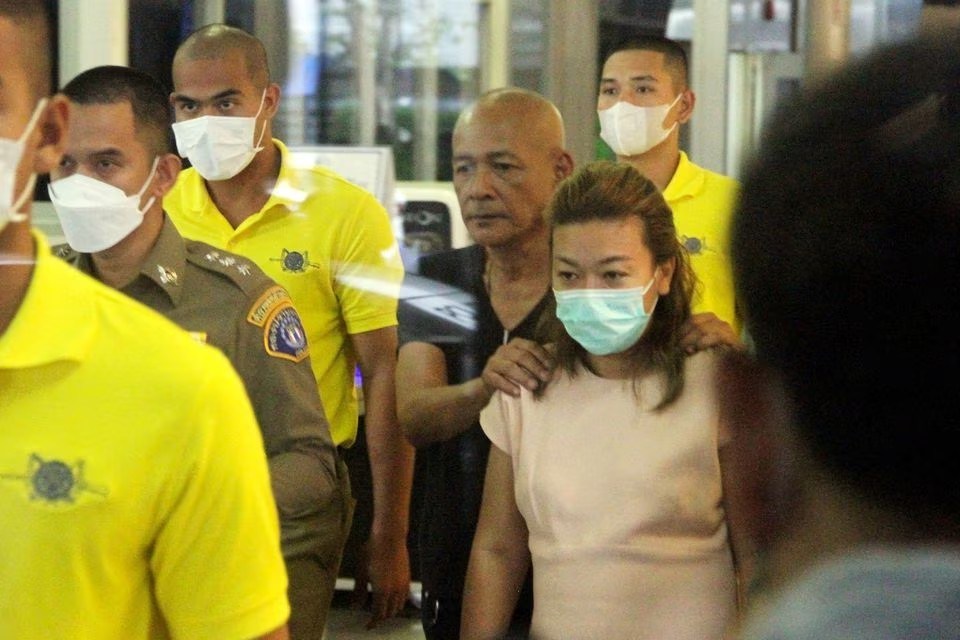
(52, 134)
(667, 270)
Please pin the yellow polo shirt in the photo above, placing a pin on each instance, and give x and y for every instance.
(134, 495)
(329, 244)
(702, 204)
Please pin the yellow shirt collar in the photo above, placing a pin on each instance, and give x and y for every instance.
(284, 192)
(290, 190)
(687, 180)
(56, 321)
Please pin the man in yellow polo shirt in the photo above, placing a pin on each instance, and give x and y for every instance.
(643, 99)
(134, 492)
(326, 241)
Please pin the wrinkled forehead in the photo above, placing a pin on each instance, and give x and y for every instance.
(496, 132)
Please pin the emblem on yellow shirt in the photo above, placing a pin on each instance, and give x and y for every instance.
(694, 245)
(54, 480)
(295, 261)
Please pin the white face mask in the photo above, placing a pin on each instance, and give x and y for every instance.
(95, 215)
(219, 147)
(631, 130)
(11, 152)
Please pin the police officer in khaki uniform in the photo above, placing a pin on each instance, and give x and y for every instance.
(108, 194)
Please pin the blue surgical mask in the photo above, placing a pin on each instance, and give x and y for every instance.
(604, 321)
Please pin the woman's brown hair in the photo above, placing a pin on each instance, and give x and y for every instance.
(617, 191)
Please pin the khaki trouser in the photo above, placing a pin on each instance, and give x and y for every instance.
(313, 560)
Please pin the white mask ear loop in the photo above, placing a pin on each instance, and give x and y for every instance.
(647, 288)
(153, 171)
(263, 129)
(672, 105)
(653, 278)
(15, 214)
(37, 112)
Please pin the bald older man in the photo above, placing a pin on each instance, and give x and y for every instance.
(508, 157)
(330, 244)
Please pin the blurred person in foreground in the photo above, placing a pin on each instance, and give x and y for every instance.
(134, 491)
(846, 248)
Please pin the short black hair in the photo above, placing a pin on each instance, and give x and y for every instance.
(674, 55)
(147, 97)
(213, 41)
(846, 251)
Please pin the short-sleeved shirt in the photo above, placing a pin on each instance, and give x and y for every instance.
(702, 203)
(622, 503)
(225, 300)
(329, 243)
(134, 491)
(453, 470)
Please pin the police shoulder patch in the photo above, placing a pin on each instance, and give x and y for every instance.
(283, 332)
(268, 301)
(284, 336)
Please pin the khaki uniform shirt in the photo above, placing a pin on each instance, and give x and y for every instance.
(227, 301)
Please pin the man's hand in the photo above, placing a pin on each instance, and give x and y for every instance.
(705, 330)
(389, 571)
(375, 571)
(391, 470)
(518, 363)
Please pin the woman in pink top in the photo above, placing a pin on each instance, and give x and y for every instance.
(608, 478)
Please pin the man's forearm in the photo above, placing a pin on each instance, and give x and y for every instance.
(437, 414)
(391, 459)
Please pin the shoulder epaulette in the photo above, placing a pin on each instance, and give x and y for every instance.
(240, 270)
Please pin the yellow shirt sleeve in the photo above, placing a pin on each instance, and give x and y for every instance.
(367, 269)
(216, 561)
